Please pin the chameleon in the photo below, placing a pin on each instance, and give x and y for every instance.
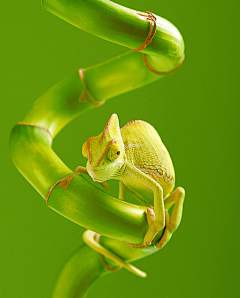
(136, 156)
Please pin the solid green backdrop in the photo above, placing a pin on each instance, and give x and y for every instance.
(196, 112)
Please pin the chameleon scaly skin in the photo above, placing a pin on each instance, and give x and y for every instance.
(145, 150)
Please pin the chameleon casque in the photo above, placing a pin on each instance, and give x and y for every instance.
(136, 156)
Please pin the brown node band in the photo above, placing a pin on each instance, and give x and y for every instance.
(160, 73)
(30, 124)
(86, 95)
(107, 266)
(142, 245)
(63, 183)
(152, 23)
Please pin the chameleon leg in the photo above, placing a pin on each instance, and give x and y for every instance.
(156, 216)
(123, 189)
(81, 169)
(177, 198)
(89, 239)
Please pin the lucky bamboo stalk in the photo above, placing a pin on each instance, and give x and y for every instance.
(31, 139)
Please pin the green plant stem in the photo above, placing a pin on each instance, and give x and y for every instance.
(84, 267)
(31, 143)
(82, 202)
(123, 26)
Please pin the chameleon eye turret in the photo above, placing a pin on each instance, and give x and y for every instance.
(113, 152)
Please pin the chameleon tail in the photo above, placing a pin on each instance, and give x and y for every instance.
(89, 239)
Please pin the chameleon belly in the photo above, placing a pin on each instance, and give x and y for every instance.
(145, 150)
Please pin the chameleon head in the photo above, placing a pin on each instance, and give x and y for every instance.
(105, 152)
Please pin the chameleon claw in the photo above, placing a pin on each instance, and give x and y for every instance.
(150, 215)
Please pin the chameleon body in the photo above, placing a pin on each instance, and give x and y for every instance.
(137, 157)
(145, 151)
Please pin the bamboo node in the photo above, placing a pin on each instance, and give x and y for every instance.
(50, 190)
(161, 73)
(152, 23)
(34, 125)
(86, 95)
(63, 183)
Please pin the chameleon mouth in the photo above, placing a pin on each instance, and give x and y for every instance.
(94, 174)
(95, 180)
(104, 172)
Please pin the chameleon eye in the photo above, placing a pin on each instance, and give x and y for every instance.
(113, 152)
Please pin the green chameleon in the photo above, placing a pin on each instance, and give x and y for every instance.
(136, 156)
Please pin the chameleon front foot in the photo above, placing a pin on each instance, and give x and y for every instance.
(154, 227)
(152, 231)
(171, 223)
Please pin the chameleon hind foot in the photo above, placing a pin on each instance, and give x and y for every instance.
(89, 237)
(176, 198)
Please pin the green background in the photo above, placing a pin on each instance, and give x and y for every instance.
(196, 112)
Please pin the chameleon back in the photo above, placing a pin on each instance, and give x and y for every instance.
(145, 150)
